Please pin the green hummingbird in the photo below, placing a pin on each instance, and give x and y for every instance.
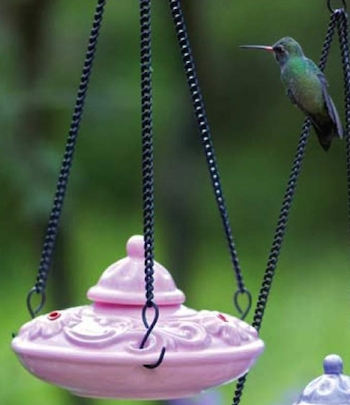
(306, 87)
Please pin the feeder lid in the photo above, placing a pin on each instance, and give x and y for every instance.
(333, 387)
(124, 281)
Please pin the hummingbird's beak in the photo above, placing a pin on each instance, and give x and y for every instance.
(265, 48)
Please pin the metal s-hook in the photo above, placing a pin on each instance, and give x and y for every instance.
(150, 327)
(333, 10)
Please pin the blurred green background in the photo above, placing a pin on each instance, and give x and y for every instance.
(255, 130)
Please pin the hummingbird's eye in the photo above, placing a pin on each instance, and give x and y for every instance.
(278, 49)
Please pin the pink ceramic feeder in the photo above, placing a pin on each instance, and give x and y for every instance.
(94, 350)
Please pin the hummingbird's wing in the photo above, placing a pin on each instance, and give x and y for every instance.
(295, 102)
(330, 105)
(323, 137)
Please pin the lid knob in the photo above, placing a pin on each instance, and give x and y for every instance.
(123, 282)
(333, 364)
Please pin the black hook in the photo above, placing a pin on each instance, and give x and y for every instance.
(333, 10)
(151, 304)
(237, 294)
(39, 307)
(158, 362)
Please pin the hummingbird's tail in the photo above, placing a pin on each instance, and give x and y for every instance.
(325, 140)
(326, 130)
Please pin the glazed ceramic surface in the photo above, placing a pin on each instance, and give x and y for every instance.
(94, 350)
(331, 388)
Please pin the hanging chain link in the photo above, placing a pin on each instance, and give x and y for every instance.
(61, 188)
(284, 213)
(148, 173)
(206, 138)
(343, 32)
(147, 146)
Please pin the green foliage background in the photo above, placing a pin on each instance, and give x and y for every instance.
(255, 131)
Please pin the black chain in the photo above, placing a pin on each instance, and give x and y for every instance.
(61, 188)
(147, 171)
(206, 138)
(281, 227)
(284, 214)
(147, 146)
(343, 29)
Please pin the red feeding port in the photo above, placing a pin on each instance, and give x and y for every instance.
(52, 316)
(220, 316)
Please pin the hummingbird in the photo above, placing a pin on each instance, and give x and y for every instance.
(306, 88)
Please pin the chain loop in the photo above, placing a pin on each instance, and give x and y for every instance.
(237, 296)
(34, 311)
(333, 10)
